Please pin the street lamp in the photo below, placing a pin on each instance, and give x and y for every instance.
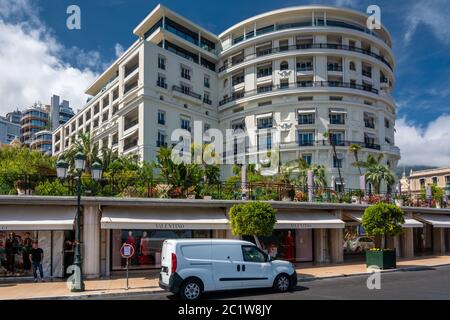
(62, 173)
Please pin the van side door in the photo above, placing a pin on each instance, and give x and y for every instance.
(227, 260)
(256, 268)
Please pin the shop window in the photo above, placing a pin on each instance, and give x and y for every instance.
(147, 245)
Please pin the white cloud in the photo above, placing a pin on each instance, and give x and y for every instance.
(428, 145)
(433, 13)
(119, 50)
(32, 61)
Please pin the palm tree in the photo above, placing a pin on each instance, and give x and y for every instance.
(355, 148)
(329, 136)
(377, 173)
(86, 146)
(299, 168)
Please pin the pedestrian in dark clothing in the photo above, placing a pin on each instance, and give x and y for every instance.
(36, 257)
(9, 251)
(26, 248)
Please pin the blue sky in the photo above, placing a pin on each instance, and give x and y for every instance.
(71, 58)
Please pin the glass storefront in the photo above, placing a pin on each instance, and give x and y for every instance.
(423, 240)
(291, 245)
(14, 248)
(147, 245)
(356, 242)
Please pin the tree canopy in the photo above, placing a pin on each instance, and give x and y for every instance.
(252, 219)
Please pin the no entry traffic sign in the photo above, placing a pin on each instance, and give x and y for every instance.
(127, 251)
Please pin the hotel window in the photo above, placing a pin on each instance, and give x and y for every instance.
(105, 116)
(265, 141)
(161, 117)
(284, 45)
(206, 81)
(339, 186)
(115, 139)
(337, 117)
(115, 109)
(284, 84)
(186, 89)
(387, 123)
(306, 138)
(185, 73)
(284, 66)
(352, 66)
(337, 138)
(186, 124)
(434, 180)
(305, 99)
(206, 98)
(237, 79)
(206, 127)
(306, 117)
(447, 180)
(161, 62)
(264, 71)
(265, 123)
(387, 140)
(337, 162)
(161, 81)
(161, 142)
(307, 158)
(96, 108)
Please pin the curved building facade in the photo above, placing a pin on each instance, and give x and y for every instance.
(300, 72)
(306, 71)
(33, 120)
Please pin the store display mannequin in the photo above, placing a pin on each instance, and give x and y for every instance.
(131, 240)
(144, 250)
(288, 243)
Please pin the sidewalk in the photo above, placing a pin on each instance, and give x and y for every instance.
(140, 284)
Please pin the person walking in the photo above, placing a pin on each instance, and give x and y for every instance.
(36, 257)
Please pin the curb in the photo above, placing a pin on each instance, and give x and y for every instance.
(300, 280)
(418, 268)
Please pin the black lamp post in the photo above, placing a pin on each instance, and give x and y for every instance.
(62, 172)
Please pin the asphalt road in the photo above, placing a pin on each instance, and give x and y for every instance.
(433, 283)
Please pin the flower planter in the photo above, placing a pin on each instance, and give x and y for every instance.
(386, 259)
(286, 199)
(207, 197)
(191, 197)
(399, 202)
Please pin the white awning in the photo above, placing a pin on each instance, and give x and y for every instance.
(436, 220)
(338, 111)
(409, 222)
(138, 218)
(321, 220)
(306, 111)
(36, 218)
(264, 115)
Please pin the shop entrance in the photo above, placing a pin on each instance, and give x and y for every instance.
(69, 250)
(423, 240)
(356, 242)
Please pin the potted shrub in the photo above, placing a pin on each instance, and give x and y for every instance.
(253, 219)
(206, 192)
(383, 220)
(191, 193)
(401, 199)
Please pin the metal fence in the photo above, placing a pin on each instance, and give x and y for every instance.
(141, 187)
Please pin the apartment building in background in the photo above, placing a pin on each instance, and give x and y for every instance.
(419, 180)
(38, 121)
(8, 130)
(303, 71)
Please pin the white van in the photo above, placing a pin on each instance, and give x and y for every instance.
(191, 267)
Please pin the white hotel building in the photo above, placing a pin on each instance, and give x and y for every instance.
(302, 70)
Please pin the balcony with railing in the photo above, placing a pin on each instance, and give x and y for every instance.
(187, 91)
(300, 84)
(299, 47)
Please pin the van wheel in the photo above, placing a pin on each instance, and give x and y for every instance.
(191, 289)
(282, 283)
